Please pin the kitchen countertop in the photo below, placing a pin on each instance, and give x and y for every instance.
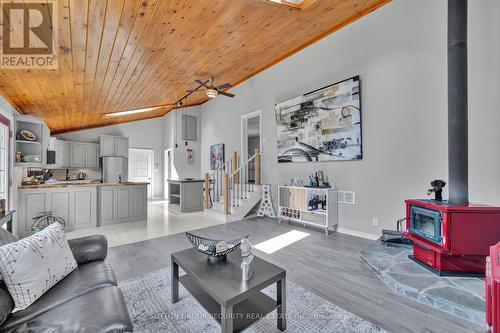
(181, 180)
(81, 185)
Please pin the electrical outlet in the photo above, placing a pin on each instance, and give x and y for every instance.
(375, 221)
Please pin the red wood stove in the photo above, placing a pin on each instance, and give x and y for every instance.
(493, 289)
(452, 240)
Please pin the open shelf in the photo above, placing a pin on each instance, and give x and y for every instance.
(29, 142)
(252, 309)
(293, 204)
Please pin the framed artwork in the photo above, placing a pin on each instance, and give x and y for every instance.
(322, 125)
(217, 156)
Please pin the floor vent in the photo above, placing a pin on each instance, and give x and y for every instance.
(346, 197)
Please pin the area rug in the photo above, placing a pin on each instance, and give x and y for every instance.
(148, 301)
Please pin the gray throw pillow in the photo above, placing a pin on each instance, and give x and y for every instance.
(32, 265)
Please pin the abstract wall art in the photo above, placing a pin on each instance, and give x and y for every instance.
(216, 156)
(323, 125)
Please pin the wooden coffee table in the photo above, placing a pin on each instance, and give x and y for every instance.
(218, 287)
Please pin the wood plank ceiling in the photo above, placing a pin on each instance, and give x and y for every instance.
(119, 55)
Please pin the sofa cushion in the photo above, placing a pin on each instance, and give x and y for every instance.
(31, 266)
(103, 310)
(85, 279)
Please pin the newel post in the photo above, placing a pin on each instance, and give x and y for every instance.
(207, 191)
(235, 166)
(226, 194)
(257, 166)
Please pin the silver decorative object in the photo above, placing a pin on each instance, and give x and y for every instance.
(247, 267)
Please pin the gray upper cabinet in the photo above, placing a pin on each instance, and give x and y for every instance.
(92, 156)
(121, 149)
(113, 146)
(107, 145)
(77, 155)
(63, 153)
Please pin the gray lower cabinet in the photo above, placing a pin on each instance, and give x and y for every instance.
(124, 203)
(77, 206)
(84, 208)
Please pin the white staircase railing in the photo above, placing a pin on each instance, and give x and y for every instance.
(233, 182)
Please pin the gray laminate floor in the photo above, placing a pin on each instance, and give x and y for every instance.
(330, 267)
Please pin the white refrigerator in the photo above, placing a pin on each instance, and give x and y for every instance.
(114, 169)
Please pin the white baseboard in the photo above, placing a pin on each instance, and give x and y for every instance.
(358, 233)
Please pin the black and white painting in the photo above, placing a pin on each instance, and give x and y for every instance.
(323, 125)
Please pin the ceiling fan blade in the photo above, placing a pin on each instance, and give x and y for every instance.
(226, 94)
(224, 86)
(192, 90)
(201, 83)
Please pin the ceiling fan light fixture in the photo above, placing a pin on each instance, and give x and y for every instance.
(211, 93)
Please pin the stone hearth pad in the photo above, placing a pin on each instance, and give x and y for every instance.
(459, 296)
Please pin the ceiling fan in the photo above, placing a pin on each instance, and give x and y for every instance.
(211, 90)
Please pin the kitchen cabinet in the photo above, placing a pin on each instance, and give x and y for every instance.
(92, 156)
(122, 203)
(106, 205)
(76, 205)
(77, 155)
(84, 208)
(107, 145)
(139, 196)
(113, 146)
(121, 147)
(63, 153)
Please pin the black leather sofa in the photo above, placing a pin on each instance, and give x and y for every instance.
(87, 300)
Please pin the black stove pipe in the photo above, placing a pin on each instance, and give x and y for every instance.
(457, 103)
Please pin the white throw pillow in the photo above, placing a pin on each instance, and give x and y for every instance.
(32, 265)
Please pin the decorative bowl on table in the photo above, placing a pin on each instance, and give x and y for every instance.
(216, 250)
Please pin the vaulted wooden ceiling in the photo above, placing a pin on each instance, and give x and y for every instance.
(119, 55)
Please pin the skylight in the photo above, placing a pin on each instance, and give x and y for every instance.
(277, 243)
(297, 4)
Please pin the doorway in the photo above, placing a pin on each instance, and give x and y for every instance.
(251, 138)
(141, 167)
(167, 173)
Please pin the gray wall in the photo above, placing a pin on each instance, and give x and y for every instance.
(142, 134)
(182, 167)
(399, 51)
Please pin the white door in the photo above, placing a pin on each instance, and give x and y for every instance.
(140, 167)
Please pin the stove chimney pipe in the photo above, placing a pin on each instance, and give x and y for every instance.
(457, 103)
